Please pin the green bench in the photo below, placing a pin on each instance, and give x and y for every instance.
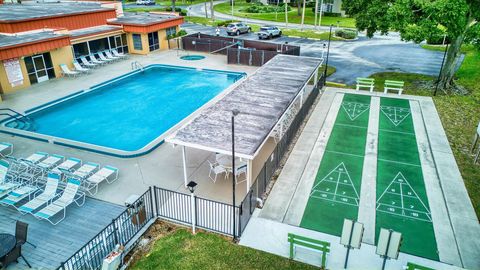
(413, 266)
(368, 83)
(297, 240)
(393, 85)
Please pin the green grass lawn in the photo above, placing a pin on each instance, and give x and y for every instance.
(459, 114)
(179, 249)
(280, 17)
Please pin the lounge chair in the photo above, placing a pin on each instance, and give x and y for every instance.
(6, 149)
(51, 162)
(67, 72)
(86, 63)
(86, 170)
(117, 54)
(103, 58)
(70, 194)
(79, 68)
(48, 194)
(216, 169)
(107, 173)
(5, 186)
(110, 56)
(35, 158)
(68, 166)
(96, 61)
(18, 194)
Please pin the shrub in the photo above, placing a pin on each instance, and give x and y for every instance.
(437, 39)
(224, 23)
(181, 33)
(331, 14)
(248, 1)
(177, 9)
(168, 9)
(183, 12)
(346, 33)
(260, 8)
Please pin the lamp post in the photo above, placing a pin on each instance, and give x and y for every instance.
(191, 186)
(328, 52)
(235, 112)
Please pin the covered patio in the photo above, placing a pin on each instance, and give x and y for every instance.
(266, 102)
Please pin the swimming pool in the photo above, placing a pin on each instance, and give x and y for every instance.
(130, 112)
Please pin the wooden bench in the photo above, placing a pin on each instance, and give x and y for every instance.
(368, 83)
(393, 85)
(297, 240)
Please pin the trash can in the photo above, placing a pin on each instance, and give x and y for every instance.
(136, 209)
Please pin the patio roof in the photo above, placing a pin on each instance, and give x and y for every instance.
(261, 99)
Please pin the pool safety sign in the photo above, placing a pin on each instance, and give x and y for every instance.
(14, 71)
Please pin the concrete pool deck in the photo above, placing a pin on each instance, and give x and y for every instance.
(162, 167)
(456, 226)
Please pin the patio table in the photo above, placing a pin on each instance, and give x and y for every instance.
(226, 162)
(7, 243)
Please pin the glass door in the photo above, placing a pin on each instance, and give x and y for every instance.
(40, 68)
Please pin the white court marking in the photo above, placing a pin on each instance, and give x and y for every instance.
(354, 109)
(395, 114)
(400, 199)
(336, 186)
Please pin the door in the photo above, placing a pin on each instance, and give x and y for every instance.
(40, 68)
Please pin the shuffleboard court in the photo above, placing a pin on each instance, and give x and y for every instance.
(335, 192)
(402, 203)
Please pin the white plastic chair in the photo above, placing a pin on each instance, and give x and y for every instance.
(216, 169)
(86, 63)
(78, 67)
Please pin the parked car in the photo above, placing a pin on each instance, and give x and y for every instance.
(268, 32)
(238, 28)
(145, 2)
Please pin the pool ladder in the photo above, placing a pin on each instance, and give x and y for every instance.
(136, 65)
(21, 121)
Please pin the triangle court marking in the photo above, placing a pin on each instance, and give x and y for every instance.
(395, 114)
(354, 109)
(400, 199)
(336, 186)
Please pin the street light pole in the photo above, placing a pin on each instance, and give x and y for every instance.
(328, 53)
(235, 112)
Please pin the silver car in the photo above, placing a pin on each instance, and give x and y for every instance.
(237, 28)
(268, 32)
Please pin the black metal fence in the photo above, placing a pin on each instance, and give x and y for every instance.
(120, 231)
(177, 207)
(259, 186)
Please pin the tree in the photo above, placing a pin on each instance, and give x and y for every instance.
(417, 20)
(173, 5)
(303, 14)
(212, 11)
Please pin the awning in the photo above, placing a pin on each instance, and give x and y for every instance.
(262, 99)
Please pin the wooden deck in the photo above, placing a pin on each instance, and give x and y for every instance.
(57, 243)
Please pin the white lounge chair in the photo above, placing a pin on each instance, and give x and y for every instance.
(117, 54)
(49, 193)
(6, 149)
(51, 162)
(242, 169)
(86, 170)
(103, 58)
(70, 194)
(19, 193)
(68, 166)
(109, 55)
(86, 63)
(107, 173)
(35, 158)
(79, 68)
(96, 61)
(216, 169)
(67, 72)
(5, 186)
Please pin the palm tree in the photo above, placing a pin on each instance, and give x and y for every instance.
(285, 3)
(212, 11)
(303, 14)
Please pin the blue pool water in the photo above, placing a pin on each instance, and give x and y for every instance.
(130, 113)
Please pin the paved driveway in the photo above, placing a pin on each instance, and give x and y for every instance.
(359, 58)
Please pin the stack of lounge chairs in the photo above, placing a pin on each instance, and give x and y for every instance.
(84, 65)
(45, 185)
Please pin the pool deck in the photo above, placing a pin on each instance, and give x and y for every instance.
(55, 244)
(162, 167)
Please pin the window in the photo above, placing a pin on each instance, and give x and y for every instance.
(80, 49)
(98, 45)
(153, 43)
(137, 42)
(171, 31)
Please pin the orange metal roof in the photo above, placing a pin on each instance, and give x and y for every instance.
(149, 27)
(33, 47)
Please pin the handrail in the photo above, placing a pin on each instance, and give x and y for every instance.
(11, 110)
(17, 116)
(136, 65)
